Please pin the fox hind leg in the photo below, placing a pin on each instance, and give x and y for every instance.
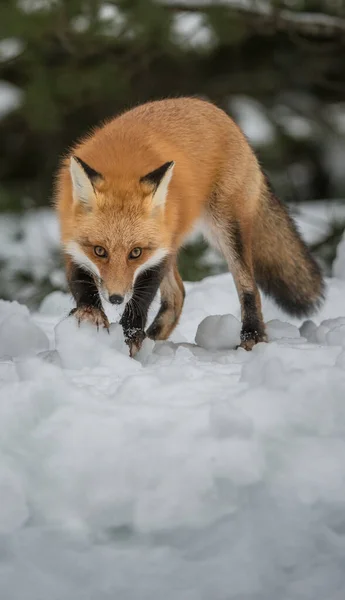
(235, 242)
(172, 299)
(239, 257)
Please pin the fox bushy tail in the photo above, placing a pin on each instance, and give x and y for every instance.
(284, 267)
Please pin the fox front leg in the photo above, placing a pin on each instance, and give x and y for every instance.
(86, 295)
(134, 318)
(172, 299)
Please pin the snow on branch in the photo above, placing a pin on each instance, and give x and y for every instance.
(264, 14)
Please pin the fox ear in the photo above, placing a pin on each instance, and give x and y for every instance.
(157, 182)
(84, 178)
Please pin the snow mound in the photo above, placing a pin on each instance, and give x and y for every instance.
(218, 332)
(277, 330)
(193, 472)
(84, 346)
(56, 303)
(8, 309)
(19, 335)
(330, 332)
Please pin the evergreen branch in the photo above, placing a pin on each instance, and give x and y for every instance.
(260, 12)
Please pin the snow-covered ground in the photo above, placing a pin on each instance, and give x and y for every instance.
(194, 472)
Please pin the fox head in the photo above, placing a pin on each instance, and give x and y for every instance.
(119, 227)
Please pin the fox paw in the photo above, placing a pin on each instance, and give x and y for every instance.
(134, 340)
(96, 316)
(250, 339)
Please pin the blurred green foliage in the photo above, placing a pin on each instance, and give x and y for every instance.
(79, 62)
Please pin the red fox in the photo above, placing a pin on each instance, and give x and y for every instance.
(131, 191)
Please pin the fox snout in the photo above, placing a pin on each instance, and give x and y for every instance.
(117, 296)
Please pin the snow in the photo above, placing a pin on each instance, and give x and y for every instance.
(110, 12)
(193, 471)
(10, 98)
(78, 347)
(260, 5)
(308, 22)
(29, 250)
(316, 219)
(80, 23)
(30, 6)
(254, 122)
(294, 125)
(191, 29)
(10, 48)
(20, 336)
(277, 330)
(335, 114)
(218, 332)
(331, 332)
(111, 17)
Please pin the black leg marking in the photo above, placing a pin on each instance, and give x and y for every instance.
(134, 317)
(156, 327)
(83, 288)
(252, 328)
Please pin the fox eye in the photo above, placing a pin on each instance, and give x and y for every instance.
(100, 251)
(135, 253)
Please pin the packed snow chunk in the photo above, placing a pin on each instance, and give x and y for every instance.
(20, 336)
(83, 345)
(56, 303)
(330, 332)
(277, 330)
(336, 336)
(308, 330)
(13, 508)
(8, 309)
(218, 332)
(339, 262)
(333, 323)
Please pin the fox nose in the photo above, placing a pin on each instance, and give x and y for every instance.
(116, 299)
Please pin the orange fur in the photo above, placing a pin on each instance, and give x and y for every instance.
(207, 147)
(216, 180)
